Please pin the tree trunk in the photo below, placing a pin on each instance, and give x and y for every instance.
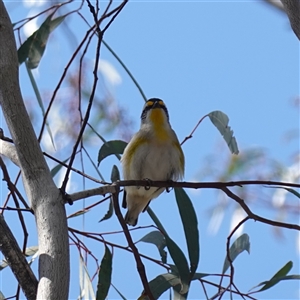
(44, 197)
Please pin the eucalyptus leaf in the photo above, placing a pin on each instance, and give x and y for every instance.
(221, 120)
(176, 254)
(115, 147)
(190, 225)
(162, 283)
(110, 211)
(57, 168)
(157, 238)
(33, 48)
(240, 244)
(105, 272)
(115, 174)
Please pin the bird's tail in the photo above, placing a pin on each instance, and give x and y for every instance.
(136, 205)
(131, 217)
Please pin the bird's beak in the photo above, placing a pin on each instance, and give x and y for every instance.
(156, 105)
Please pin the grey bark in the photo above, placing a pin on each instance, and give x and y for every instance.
(43, 195)
(292, 9)
(17, 262)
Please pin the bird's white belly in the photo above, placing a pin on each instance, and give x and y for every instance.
(155, 163)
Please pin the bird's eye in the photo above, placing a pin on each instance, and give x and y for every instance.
(149, 104)
(161, 103)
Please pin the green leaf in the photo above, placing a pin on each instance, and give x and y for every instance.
(157, 238)
(240, 244)
(161, 283)
(112, 147)
(33, 48)
(39, 99)
(78, 213)
(115, 174)
(277, 277)
(57, 168)
(176, 254)
(287, 189)
(190, 225)
(2, 297)
(104, 275)
(221, 120)
(199, 276)
(274, 281)
(110, 211)
(155, 220)
(293, 192)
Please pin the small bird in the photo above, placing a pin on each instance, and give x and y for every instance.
(154, 153)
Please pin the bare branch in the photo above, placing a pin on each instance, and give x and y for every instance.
(292, 9)
(255, 217)
(111, 188)
(103, 190)
(276, 3)
(16, 260)
(9, 150)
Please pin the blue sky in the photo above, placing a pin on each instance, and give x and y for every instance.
(238, 57)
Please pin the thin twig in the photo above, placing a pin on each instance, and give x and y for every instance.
(255, 217)
(191, 134)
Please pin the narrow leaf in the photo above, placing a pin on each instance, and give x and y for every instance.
(156, 221)
(157, 238)
(176, 254)
(190, 225)
(199, 276)
(277, 277)
(275, 280)
(240, 244)
(78, 213)
(115, 174)
(33, 48)
(2, 297)
(57, 168)
(39, 99)
(161, 283)
(112, 147)
(110, 211)
(104, 275)
(287, 189)
(293, 192)
(221, 120)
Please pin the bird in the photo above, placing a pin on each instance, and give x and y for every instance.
(153, 153)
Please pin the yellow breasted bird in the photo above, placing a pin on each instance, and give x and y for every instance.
(154, 153)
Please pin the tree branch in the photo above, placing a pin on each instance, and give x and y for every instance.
(17, 262)
(45, 198)
(9, 150)
(292, 9)
(112, 188)
(255, 217)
